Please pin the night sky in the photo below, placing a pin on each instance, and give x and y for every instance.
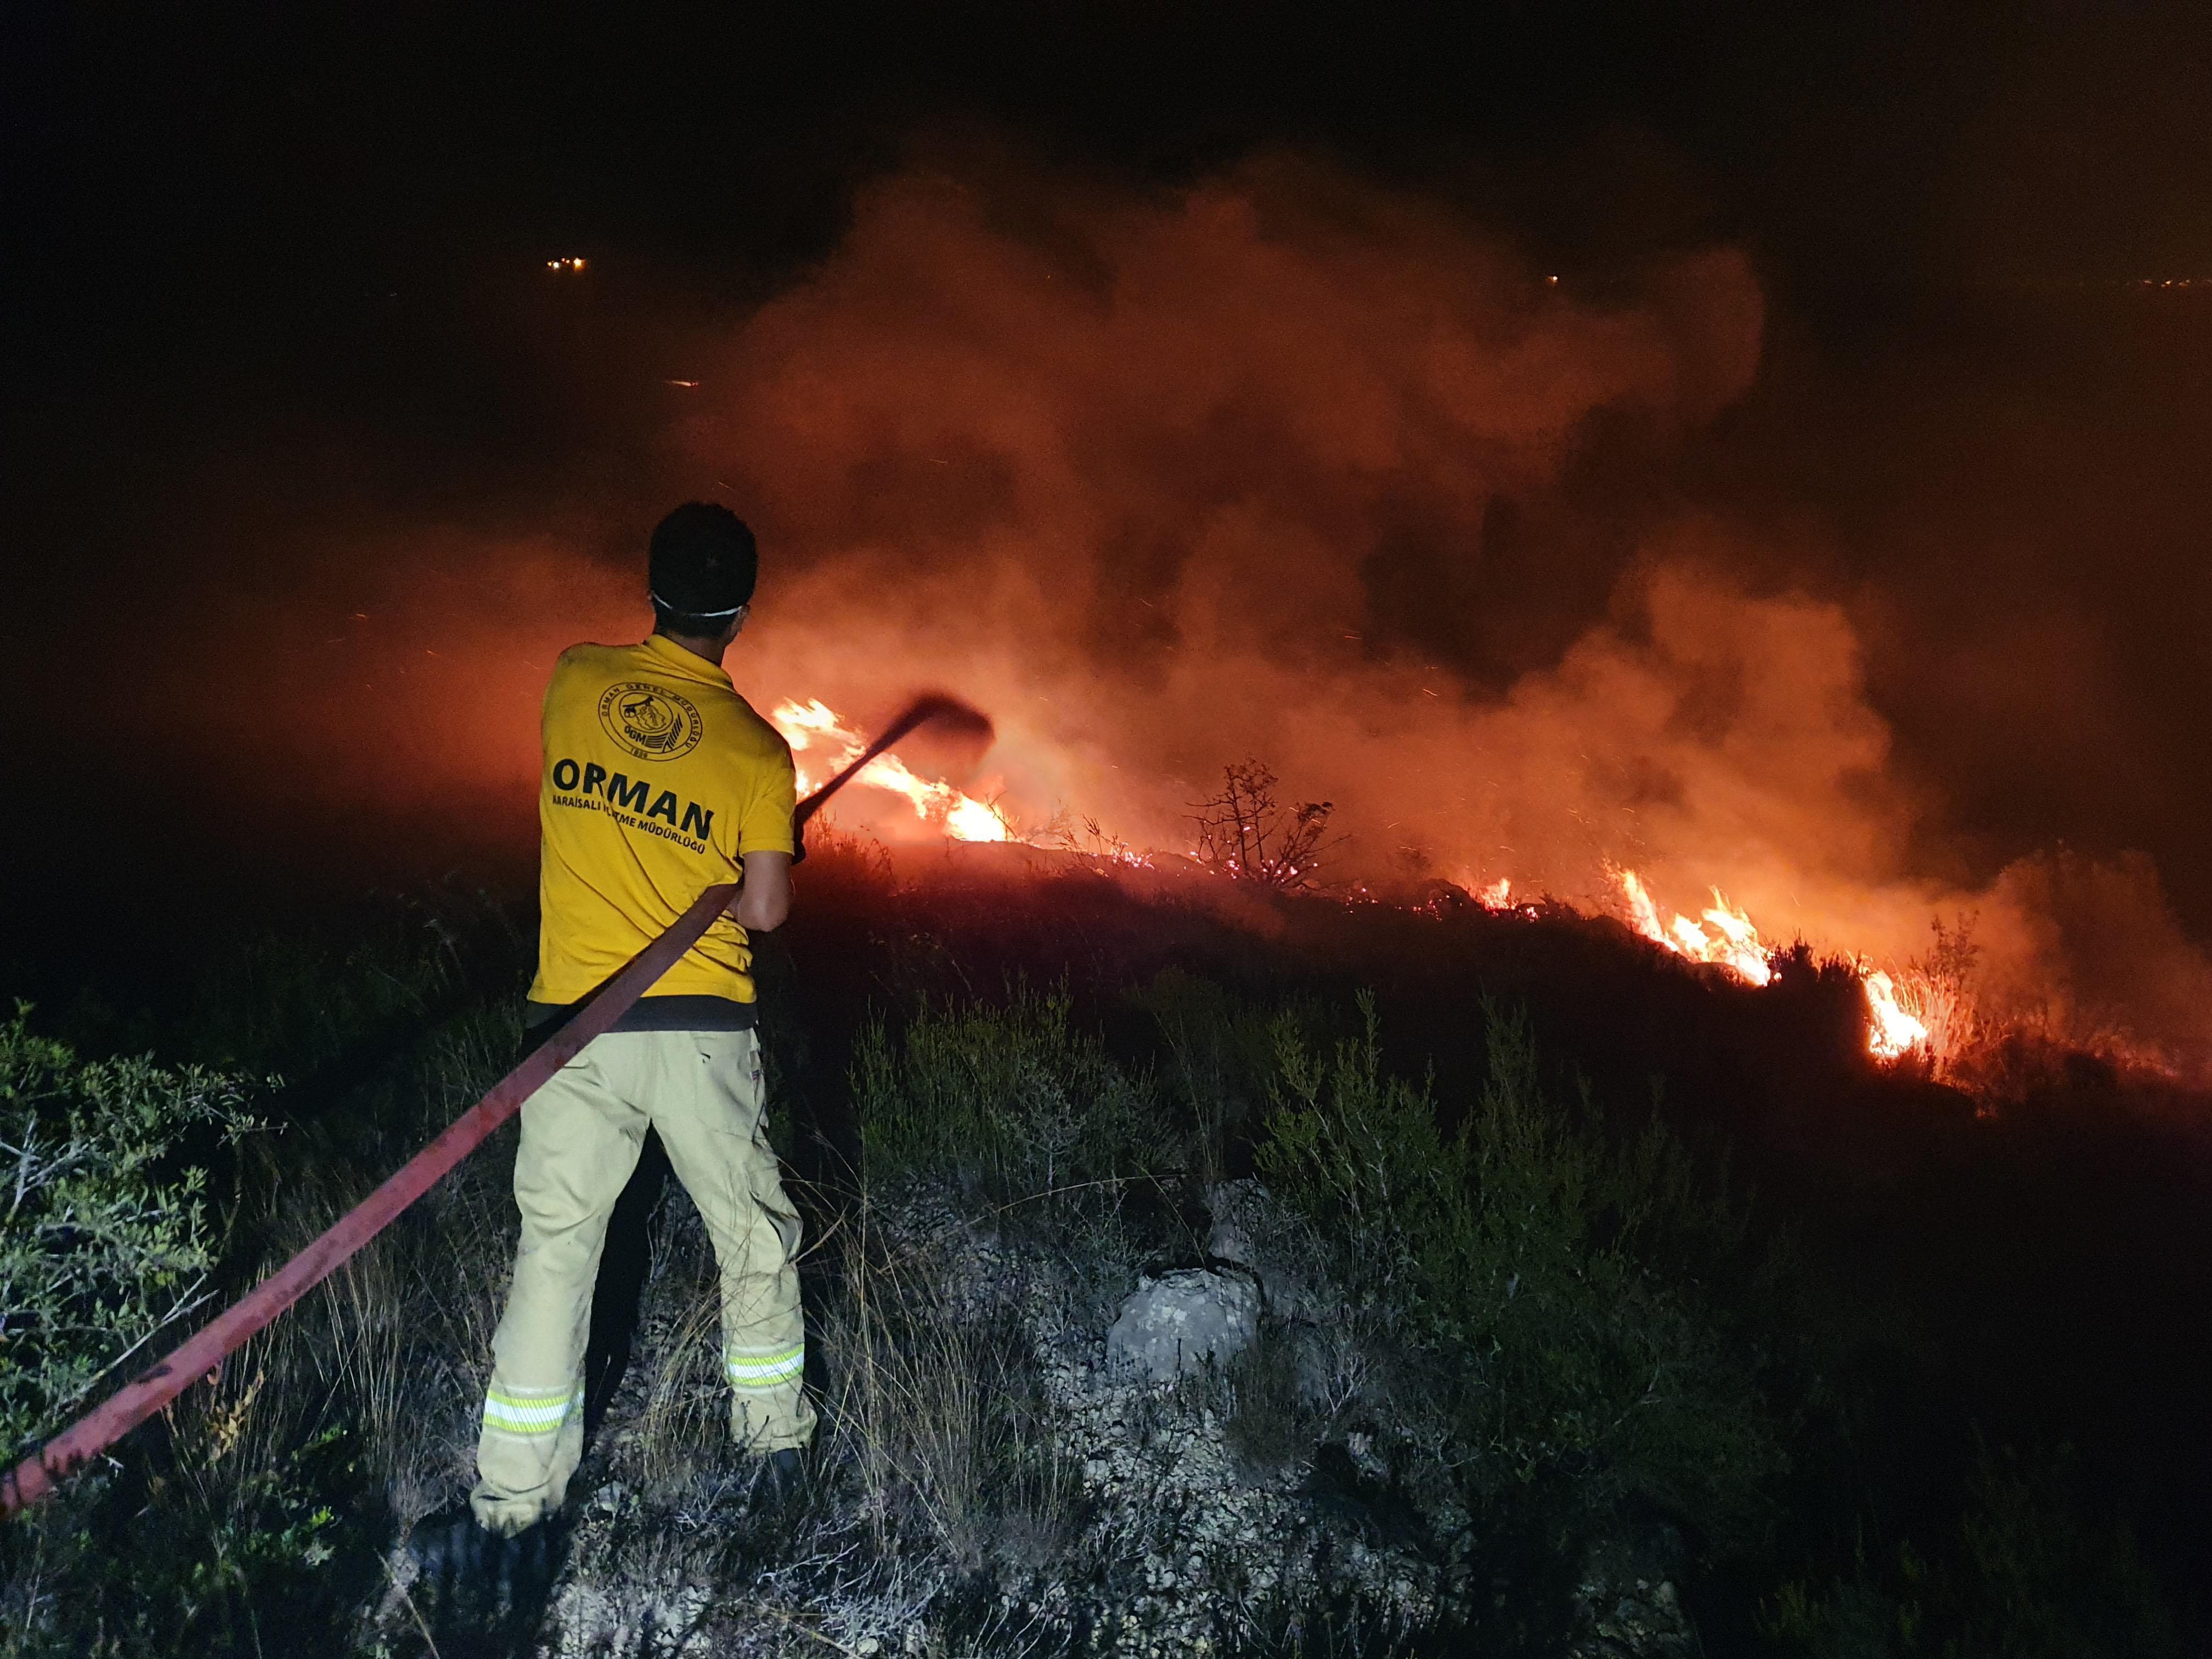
(271, 273)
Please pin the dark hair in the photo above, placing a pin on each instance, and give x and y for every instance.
(702, 569)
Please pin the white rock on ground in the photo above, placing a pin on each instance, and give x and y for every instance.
(1175, 1324)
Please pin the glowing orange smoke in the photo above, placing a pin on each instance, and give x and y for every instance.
(822, 744)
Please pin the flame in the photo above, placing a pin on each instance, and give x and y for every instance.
(1734, 942)
(1895, 1031)
(811, 726)
(822, 744)
(1498, 895)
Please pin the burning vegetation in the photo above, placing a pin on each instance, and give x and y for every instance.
(822, 745)
(1245, 834)
(1288, 464)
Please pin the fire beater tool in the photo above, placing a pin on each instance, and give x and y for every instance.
(203, 1353)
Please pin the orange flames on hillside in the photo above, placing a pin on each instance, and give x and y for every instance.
(823, 742)
(1733, 942)
(1728, 938)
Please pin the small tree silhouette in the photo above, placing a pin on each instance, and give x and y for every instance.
(1246, 835)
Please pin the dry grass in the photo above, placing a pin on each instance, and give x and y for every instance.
(682, 1426)
(929, 1412)
(401, 1332)
(934, 1403)
(932, 1470)
(411, 1322)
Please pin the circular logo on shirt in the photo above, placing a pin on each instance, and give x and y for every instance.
(650, 721)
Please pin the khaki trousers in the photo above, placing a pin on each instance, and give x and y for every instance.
(580, 1137)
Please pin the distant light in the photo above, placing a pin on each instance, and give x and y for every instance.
(569, 262)
(681, 383)
(1553, 281)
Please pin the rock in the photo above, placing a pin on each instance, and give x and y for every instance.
(1628, 1604)
(1172, 1325)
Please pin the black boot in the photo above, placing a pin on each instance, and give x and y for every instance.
(527, 1563)
(781, 1477)
(452, 1550)
(475, 1576)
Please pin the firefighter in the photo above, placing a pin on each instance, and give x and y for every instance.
(658, 782)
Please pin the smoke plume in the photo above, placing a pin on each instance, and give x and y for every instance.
(1282, 464)
(1279, 465)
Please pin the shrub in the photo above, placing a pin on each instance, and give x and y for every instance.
(2026, 1574)
(1009, 1103)
(1246, 835)
(248, 1517)
(1550, 1284)
(107, 1237)
(1219, 1058)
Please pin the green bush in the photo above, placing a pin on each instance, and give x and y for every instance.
(1217, 1057)
(251, 1516)
(1550, 1285)
(106, 1236)
(2026, 1574)
(1010, 1104)
(307, 999)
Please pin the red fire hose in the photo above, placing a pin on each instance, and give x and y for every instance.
(34, 1478)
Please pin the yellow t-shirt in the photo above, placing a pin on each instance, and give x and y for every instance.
(659, 778)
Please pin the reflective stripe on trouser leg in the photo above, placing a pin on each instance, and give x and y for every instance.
(579, 1142)
(533, 1437)
(711, 1125)
(531, 1441)
(530, 1414)
(768, 1409)
(766, 1373)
